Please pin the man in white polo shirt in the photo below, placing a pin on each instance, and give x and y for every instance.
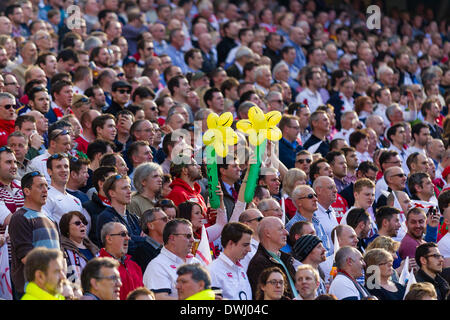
(160, 276)
(59, 201)
(226, 271)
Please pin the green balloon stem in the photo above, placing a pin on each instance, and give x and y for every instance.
(213, 179)
(253, 173)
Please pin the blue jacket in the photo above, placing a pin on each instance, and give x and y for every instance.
(288, 152)
(131, 223)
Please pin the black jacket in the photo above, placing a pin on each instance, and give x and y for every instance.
(442, 287)
(223, 48)
(263, 260)
(94, 207)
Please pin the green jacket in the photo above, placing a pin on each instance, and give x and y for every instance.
(33, 292)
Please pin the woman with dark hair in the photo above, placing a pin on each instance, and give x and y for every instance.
(271, 285)
(77, 246)
(193, 212)
(168, 207)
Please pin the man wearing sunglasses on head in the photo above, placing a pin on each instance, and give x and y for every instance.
(7, 116)
(59, 200)
(117, 189)
(115, 240)
(59, 142)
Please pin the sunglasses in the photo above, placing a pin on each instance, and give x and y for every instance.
(123, 234)
(58, 156)
(257, 219)
(6, 148)
(401, 175)
(309, 196)
(35, 173)
(304, 160)
(9, 106)
(61, 133)
(83, 100)
(78, 223)
(122, 91)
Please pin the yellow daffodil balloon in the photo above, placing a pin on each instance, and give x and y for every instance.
(220, 135)
(260, 126)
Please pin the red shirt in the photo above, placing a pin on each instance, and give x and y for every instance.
(130, 274)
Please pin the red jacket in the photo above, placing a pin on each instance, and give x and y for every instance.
(182, 192)
(6, 128)
(130, 274)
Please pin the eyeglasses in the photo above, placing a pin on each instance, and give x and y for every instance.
(304, 160)
(153, 108)
(309, 196)
(113, 278)
(9, 106)
(436, 256)
(187, 235)
(276, 282)
(166, 202)
(165, 219)
(122, 91)
(123, 234)
(278, 101)
(257, 219)
(78, 223)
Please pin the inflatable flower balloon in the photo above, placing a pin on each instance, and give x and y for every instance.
(219, 133)
(217, 138)
(259, 127)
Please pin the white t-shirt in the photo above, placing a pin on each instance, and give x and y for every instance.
(342, 287)
(39, 163)
(59, 203)
(231, 278)
(444, 245)
(161, 273)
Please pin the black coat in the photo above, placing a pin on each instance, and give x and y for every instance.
(94, 207)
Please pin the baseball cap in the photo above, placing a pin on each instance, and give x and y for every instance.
(129, 59)
(120, 84)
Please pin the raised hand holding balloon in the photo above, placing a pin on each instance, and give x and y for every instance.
(259, 127)
(217, 138)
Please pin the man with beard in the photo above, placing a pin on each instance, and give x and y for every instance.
(39, 100)
(417, 224)
(117, 189)
(78, 178)
(44, 273)
(101, 57)
(431, 262)
(115, 240)
(235, 238)
(186, 172)
(422, 189)
(30, 227)
(3, 59)
(59, 200)
(388, 222)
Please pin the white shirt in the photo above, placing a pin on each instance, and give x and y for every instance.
(381, 111)
(313, 99)
(403, 154)
(342, 287)
(254, 247)
(161, 273)
(349, 104)
(363, 156)
(231, 278)
(328, 221)
(380, 186)
(39, 163)
(444, 245)
(59, 203)
(344, 134)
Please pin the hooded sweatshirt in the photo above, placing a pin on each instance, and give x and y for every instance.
(6, 128)
(182, 192)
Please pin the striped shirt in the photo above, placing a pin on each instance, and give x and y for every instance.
(29, 229)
